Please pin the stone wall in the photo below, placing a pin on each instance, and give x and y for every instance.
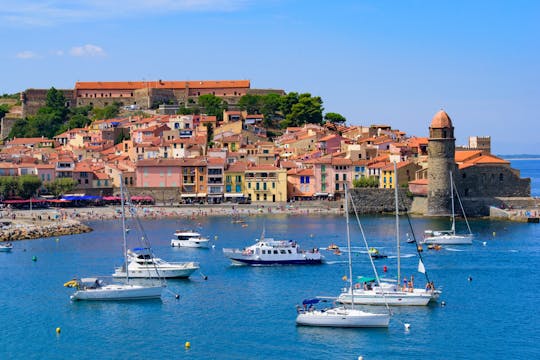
(6, 125)
(33, 99)
(376, 201)
(491, 181)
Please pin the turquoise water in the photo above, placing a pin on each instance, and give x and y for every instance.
(242, 312)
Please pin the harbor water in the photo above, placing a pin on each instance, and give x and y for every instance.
(489, 291)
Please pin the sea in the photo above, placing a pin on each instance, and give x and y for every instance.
(488, 308)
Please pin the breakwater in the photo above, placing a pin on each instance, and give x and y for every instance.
(20, 230)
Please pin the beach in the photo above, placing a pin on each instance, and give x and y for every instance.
(40, 223)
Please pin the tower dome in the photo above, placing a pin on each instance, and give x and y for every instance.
(441, 120)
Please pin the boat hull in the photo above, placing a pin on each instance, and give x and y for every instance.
(272, 262)
(118, 293)
(398, 298)
(190, 243)
(5, 248)
(342, 318)
(160, 273)
(449, 240)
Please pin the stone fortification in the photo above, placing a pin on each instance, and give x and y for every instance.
(33, 99)
(441, 161)
(377, 201)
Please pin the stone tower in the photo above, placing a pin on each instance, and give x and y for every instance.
(441, 161)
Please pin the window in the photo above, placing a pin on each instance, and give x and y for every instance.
(337, 187)
(337, 177)
(275, 251)
(501, 177)
(264, 186)
(249, 185)
(344, 177)
(282, 251)
(323, 168)
(273, 185)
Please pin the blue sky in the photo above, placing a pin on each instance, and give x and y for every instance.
(390, 62)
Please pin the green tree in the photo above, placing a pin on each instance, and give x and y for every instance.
(287, 103)
(251, 103)
(209, 134)
(335, 118)
(9, 186)
(60, 186)
(107, 112)
(308, 110)
(366, 182)
(212, 105)
(4, 109)
(271, 107)
(28, 185)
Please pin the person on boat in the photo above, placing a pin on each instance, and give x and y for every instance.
(412, 281)
(405, 283)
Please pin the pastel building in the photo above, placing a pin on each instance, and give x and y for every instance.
(266, 183)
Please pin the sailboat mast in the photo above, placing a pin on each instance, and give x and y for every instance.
(397, 223)
(349, 244)
(453, 211)
(122, 201)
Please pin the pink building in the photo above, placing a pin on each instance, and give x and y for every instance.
(158, 173)
(300, 184)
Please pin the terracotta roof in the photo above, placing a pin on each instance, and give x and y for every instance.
(238, 166)
(419, 182)
(464, 155)
(441, 120)
(484, 160)
(159, 84)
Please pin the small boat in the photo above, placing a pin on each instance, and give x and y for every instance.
(142, 264)
(375, 254)
(274, 252)
(344, 315)
(450, 237)
(189, 238)
(332, 247)
(434, 247)
(97, 289)
(6, 247)
(309, 315)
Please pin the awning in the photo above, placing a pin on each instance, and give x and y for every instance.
(188, 195)
(201, 195)
(320, 194)
(215, 195)
(234, 195)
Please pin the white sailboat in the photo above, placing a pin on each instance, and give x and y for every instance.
(374, 292)
(340, 316)
(450, 237)
(97, 289)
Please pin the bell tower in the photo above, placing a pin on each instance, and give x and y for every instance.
(441, 161)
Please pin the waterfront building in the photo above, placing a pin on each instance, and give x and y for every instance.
(266, 183)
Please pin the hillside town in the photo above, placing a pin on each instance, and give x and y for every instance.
(198, 158)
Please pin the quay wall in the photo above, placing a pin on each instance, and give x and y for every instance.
(377, 201)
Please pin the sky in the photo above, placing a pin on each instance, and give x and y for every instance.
(373, 61)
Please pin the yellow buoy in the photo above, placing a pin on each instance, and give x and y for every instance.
(187, 345)
(58, 330)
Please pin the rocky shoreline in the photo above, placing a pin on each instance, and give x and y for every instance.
(23, 231)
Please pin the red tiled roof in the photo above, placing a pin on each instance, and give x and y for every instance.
(134, 85)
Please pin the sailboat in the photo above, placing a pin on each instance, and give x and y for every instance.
(97, 289)
(340, 316)
(450, 237)
(368, 291)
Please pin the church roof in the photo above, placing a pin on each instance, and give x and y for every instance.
(441, 120)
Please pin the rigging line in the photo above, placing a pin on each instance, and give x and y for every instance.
(461, 206)
(370, 258)
(414, 236)
(145, 241)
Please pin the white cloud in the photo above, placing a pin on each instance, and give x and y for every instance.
(47, 13)
(26, 55)
(87, 50)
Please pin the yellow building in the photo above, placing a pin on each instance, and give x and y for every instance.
(406, 172)
(266, 183)
(235, 181)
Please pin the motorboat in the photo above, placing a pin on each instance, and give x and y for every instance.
(267, 251)
(450, 237)
(189, 238)
(6, 247)
(142, 264)
(97, 289)
(344, 315)
(309, 315)
(375, 254)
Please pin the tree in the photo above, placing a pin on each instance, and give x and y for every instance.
(335, 118)
(108, 112)
(308, 110)
(28, 185)
(251, 103)
(60, 186)
(287, 103)
(363, 182)
(209, 134)
(4, 109)
(212, 105)
(9, 186)
(271, 107)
